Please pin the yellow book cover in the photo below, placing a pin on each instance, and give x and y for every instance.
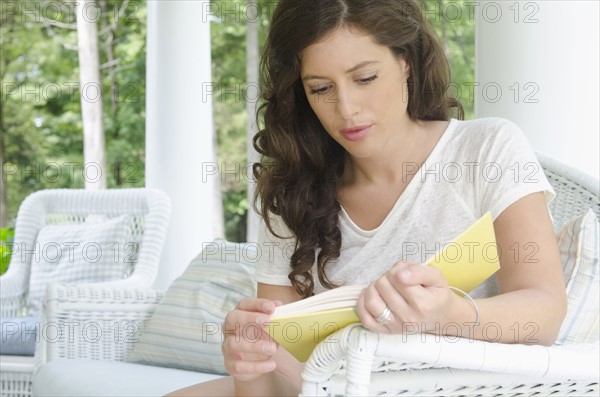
(465, 262)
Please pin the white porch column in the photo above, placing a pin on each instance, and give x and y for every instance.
(537, 65)
(179, 126)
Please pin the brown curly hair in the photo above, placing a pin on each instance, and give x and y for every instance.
(301, 164)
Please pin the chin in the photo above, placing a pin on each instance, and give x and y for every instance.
(361, 154)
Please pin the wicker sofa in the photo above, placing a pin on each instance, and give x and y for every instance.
(401, 365)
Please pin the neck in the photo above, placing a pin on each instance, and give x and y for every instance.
(404, 151)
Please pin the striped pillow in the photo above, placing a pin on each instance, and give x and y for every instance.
(578, 242)
(185, 330)
(76, 253)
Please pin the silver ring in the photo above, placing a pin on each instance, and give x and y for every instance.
(384, 317)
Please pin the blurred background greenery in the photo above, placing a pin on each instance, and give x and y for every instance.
(41, 139)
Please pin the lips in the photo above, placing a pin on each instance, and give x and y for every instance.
(355, 133)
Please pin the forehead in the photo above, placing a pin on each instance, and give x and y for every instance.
(341, 49)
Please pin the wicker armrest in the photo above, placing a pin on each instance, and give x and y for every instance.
(91, 321)
(360, 362)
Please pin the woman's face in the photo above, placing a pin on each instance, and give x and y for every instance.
(357, 88)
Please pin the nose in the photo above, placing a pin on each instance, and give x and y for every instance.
(347, 104)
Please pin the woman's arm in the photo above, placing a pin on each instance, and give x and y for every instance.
(530, 308)
(533, 302)
(256, 373)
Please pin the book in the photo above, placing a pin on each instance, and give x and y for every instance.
(466, 262)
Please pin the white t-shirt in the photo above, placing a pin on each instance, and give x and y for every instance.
(477, 166)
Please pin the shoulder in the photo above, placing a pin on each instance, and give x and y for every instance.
(488, 128)
(487, 136)
(276, 226)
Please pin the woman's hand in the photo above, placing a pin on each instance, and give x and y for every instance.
(416, 296)
(248, 350)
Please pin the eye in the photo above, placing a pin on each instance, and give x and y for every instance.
(367, 80)
(316, 89)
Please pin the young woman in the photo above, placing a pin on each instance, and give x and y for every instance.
(364, 174)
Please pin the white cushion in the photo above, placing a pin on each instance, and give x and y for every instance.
(578, 242)
(87, 252)
(110, 378)
(185, 330)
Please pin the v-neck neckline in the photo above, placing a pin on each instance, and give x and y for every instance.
(411, 185)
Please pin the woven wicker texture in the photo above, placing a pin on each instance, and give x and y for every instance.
(149, 212)
(17, 384)
(360, 362)
(576, 192)
(333, 364)
(103, 323)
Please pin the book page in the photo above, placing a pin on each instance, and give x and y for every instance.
(345, 296)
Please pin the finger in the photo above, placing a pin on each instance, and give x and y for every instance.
(398, 294)
(373, 301)
(256, 305)
(396, 297)
(249, 370)
(263, 347)
(400, 302)
(251, 310)
(369, 307)
(365, 316)
(412, 274)
(236, 320)
(403, 297)
(420, 287)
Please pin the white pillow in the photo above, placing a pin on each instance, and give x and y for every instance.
(87, 252)
(578, 242)
(185, 330)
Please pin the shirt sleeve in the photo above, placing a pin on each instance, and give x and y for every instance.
(510, 169)
(273, 265)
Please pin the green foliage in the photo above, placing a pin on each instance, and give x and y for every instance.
(228, 51)
(454, 24)
(235, 207)
(6, 239)
(228, 41)
(40, 111)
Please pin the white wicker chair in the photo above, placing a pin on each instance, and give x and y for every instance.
(358, 362)
(129, 309)
(150, 212)
(118, 315)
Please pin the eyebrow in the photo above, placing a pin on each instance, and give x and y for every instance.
(352, 69)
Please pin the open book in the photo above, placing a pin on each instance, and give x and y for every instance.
(301, 325)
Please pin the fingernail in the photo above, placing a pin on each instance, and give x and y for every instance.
(267, 306)
(261, 320)
(405, 274)
(271, 366)
(269, 349)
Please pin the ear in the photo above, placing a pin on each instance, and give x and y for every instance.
(405, 69)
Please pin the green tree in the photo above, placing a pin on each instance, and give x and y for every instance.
(40, 110)
(40, 113)
(451, 22)
(228, 37)
(454, 24)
